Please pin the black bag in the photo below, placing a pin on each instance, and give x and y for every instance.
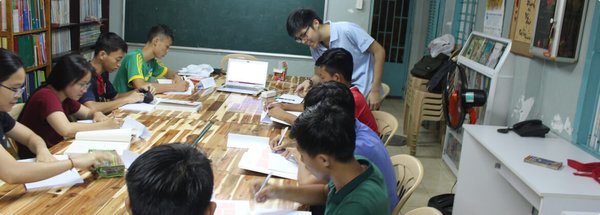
(437, 83)
(427, 66)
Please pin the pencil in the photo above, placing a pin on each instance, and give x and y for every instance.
(202, 133)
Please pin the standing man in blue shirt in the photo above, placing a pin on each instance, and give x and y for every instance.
(307, 28)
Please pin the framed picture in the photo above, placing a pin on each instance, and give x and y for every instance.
(522, 26)
(558, 29)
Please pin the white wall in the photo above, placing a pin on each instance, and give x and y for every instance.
(337, 10)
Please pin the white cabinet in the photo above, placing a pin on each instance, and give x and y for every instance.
(493, 179)
(487, 60)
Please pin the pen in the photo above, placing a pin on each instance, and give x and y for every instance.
(282, 136)
(264, 182)
(284, 99)
(202, 133)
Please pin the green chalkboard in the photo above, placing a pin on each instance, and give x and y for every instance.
(242, 25)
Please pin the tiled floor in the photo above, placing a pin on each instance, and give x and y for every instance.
(438, 179)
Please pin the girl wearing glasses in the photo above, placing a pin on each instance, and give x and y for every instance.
(48, 110)
(12, 77)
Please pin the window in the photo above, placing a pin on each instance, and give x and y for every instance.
(465, 16)
(390, 26)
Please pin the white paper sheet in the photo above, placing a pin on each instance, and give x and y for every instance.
(265, 161)
(264, 118)
(295, 113)
(246, 141)
(139, 129)
(110, 135)
(139, 107)
(67, 178)
(288, 98)
(83, 146)
(128, 157)
(187, 92)
(242, 207)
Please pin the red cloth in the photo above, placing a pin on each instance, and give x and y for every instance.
(100, 84)
(40, 105)
(362, 111)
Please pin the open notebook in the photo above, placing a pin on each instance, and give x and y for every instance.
(112, 139)
(265, 161)
(65, 179)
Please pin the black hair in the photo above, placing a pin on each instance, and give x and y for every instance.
(332, 91)
(337, 60)
(9, 64)
(325, 128)
(109, 42)
(170, 179)
(160, 30)
(300, 18)
(69, 68)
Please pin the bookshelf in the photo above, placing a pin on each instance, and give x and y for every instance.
(25, 30)
(485, 58)
(76, 24)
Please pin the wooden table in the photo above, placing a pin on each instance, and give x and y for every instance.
(231, 113)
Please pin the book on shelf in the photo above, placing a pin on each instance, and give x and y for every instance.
(31, 48)
(60, 12)
(28, 15)
(61, 41)
(89, 34)
(4, 42)
(3, 25)
(33, 80)
(111, 139)
(90, 9)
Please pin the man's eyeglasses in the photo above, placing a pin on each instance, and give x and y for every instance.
(302, 36)
(17, 91)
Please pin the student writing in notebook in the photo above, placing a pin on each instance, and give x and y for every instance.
(48, 110)
(334, 65)
(368, 144)
(140, 65)
(305, 26)
(101, 95)
(12, 78)
(170, 179)
(326, 141)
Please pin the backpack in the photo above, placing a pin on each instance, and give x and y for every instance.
(427, 66)
(438, 81)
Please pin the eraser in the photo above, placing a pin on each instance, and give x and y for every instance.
(267, 94)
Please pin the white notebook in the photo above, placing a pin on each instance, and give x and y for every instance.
(246, 141)
(265, 161)
(295, 113)
(65, 179)
(178, 105)
(112, 139)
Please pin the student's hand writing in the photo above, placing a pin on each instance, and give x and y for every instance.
(374, 100)
(277, 112)
(113, 123)
(44, 156)
(267, 192)
(280, 148)
(274, 104)
(134, 97)
(291, 152)
(100, 117)
(181, 85)
(303, 88)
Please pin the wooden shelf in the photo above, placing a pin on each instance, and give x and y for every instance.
(4, 34)
(30, 32)
(38, 67)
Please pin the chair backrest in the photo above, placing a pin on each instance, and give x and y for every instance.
(387, 125)
(386, 90)
(424, 211)
(409, 173)
(235, 56)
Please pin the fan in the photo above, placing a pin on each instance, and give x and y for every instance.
(458, 100)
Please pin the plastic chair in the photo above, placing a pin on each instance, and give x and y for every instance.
(387, 125)
(420, 105)
(424, 211)
(409, 173)
(235, 56)
(386, 90)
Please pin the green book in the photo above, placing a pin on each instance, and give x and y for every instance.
(111, 168)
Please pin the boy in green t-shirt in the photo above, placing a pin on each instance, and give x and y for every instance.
(326, 139)
(139, 65)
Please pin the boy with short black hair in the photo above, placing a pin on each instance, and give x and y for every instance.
(334, 65)
(101, 95)
(305, 26)
(141, 64)
(170, 179)
(325, 135)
